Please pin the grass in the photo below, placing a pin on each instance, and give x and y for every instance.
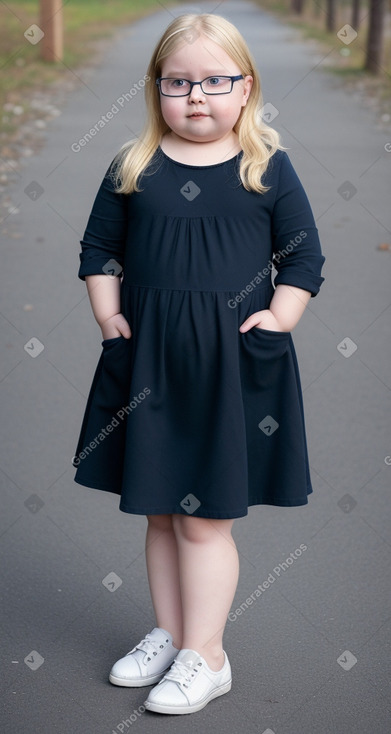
(24, 73)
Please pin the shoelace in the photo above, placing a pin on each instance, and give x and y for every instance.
(181, 671)
(149, 646)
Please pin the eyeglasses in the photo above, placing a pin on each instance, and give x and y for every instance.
(170, 87)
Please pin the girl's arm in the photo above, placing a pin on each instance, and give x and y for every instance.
(104, 295)
(297, 254)
(103, 241)
(285, 311)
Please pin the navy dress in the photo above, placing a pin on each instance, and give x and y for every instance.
(190, 415)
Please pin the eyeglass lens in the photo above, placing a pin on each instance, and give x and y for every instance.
(211, 85)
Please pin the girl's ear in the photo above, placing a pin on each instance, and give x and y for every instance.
(248, 83)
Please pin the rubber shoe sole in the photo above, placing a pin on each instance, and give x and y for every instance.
(148, 680)
(160, 708)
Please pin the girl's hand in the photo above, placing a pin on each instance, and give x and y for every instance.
(261, 319)
(115, 326)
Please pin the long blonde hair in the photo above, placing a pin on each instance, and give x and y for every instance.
(257, 140)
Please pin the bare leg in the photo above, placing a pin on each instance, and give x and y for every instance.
(208, 567)
(163, 575)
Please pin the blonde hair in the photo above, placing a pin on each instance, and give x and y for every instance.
(258, 141)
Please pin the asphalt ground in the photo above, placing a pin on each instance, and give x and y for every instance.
(312, 654)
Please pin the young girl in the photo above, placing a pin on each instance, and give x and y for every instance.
(195, 411)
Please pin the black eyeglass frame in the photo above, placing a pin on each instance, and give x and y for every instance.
(192, 84)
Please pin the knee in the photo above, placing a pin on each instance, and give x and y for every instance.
(162, 523)
(194, 529)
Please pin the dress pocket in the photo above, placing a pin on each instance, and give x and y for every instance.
(112, 340)
(100, 449)
(264, 356)
(265, 344)
(270, 331)
(116, 368)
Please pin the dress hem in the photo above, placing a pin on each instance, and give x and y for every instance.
(213, 515)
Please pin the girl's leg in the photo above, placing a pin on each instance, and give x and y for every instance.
(163, 575)
(208, 566)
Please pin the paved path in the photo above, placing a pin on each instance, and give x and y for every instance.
(311, 655)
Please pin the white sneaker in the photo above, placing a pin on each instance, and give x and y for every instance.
(189, 685)
(147, 662)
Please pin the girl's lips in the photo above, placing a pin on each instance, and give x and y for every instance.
(198, 117)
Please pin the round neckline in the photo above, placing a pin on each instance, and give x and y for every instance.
(189, 165)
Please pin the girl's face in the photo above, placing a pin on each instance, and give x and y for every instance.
(195, 61)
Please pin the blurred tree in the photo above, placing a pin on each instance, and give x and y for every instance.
(297, 6)
(374, 50)
(355, 14)
(331, 15)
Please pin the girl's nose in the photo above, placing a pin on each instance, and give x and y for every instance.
(196, 93)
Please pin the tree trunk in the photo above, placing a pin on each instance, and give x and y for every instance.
(331, 15)
(355, 14)
(297, 6)
(374, 52)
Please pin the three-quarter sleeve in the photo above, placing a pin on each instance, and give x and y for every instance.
(105, 235)
(297, 254)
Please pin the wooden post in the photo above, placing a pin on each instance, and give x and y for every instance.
(51, 23)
